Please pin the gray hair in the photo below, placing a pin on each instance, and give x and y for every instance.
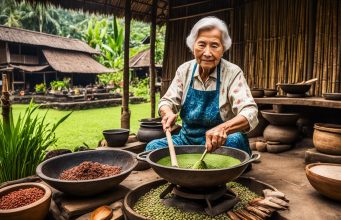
(209, 23)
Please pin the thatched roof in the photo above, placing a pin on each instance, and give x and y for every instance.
(17, 35)
(141, 59)
(141, 9)
(73, 62)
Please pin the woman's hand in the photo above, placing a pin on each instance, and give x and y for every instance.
(216, 137)
(168, 117)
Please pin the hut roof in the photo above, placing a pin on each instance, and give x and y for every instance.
(141, 59)
(140, 9)
(17, 35)
(73, 62)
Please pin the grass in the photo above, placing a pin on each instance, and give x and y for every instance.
(86, 126)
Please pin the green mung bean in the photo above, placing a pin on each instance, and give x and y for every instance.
(151, 207)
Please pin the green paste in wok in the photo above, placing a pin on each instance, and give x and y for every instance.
(213, 161)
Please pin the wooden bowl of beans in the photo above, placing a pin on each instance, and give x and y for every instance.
(25, 201)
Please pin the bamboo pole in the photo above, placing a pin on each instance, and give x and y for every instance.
(125, 112)
(152, 58)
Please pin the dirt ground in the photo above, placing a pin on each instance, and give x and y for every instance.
(286, 172)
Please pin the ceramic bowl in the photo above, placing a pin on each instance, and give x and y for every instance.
(36, 210)
(325, 178)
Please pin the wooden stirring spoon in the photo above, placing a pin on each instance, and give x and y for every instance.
(174, 161)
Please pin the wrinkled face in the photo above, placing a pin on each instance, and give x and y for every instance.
(208, 48)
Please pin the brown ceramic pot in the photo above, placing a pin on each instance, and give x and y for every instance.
(270, 92)
(325, 178)
(282, 118)
(34, 211)
(282, 134)
(327, 138)
(257, 93)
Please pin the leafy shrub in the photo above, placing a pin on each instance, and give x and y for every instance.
(24, 142)
(40, 87)
(140, 88)
(60, 85)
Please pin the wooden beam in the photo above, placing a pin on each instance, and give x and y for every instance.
(200, 14)
(125, 112)
(8, 55)
(152, 58)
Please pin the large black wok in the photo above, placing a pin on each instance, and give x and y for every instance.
(50, 170)
(198, 178)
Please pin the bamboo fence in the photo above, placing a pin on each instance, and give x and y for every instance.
(273, 41)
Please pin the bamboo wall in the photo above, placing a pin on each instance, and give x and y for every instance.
(273, 41)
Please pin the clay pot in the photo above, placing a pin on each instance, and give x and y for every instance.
(327, 138)
(116, 137)
(260, 146)
(257, 93)
(295, 90)
(270, 92)
(277, 148)
(282, 134)
(280, 118)
(325, 178)
(150, 131)
(36, 210)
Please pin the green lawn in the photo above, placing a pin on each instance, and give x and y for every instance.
(86, 126)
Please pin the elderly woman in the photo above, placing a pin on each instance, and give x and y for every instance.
(211, 94)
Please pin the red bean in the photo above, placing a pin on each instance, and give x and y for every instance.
(90, 170)
(21, 198)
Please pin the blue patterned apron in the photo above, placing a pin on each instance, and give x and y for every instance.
(199, 113)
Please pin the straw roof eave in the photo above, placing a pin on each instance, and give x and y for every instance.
(140, 9)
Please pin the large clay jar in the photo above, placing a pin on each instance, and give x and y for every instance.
(327, 138)
(150, 131)
(282, 134)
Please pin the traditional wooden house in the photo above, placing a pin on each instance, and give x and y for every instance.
(140, 64)
(31, 58)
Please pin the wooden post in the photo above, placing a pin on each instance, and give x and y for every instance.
(125, 112)
(6, 105)
(152, 58)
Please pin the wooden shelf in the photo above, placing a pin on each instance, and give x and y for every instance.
(306, 101)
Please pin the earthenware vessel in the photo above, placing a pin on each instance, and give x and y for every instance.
(282, 134)
(257, 93)
(276, 118)
(116, 137)
(150, 131)
(34, 211)
(327, 138)
(325, 178)
(270, 92)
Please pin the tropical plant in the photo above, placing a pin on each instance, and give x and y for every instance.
(58, 85)
(9, 13)
(40, 87)
(114, 79)
(23, 143)
(140, 88)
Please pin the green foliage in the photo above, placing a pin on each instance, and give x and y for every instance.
(24, 142)
(60, 85)
(40, 87)
(114, 79)
(140, 88)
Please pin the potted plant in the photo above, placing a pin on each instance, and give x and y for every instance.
(40, 88)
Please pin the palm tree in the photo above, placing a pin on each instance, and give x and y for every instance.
(42, 19)
(9, 13)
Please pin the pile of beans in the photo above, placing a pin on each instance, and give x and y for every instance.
(151, 206)
(21, 198)
(244, 194)
(90, 170)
